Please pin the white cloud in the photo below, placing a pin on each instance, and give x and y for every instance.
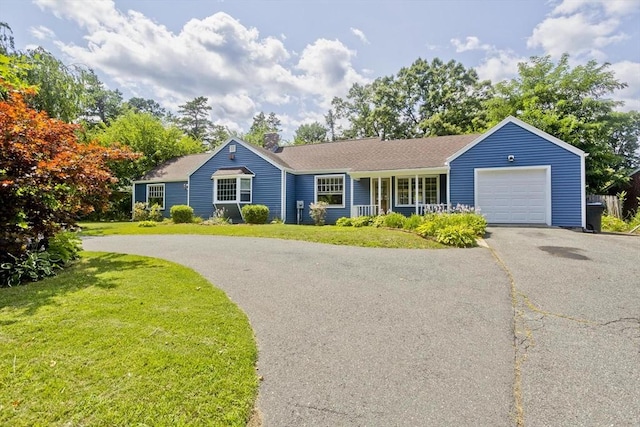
(217, 57)
(577, 35)
(628, 72)
(470, 43)
(499, 65)
(41, 32)
(583, 28)
(360, 34)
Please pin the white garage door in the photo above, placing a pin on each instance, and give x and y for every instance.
(514, 195)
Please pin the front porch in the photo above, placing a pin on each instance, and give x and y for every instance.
(418, 193)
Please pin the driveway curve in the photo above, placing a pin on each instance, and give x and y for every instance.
(361, 336)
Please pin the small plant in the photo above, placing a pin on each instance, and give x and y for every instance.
(344, 222)
(255, 214)
(140, 212)
(181, 214)
(65, 246)
(457, 235)
(219, 217)
(378, 221)
(276, 220)
(394, 220)
(32, 266)
(155, 213)
(613, 223)
(147, 224)
(413, 222)
(362, 221)
(318, 212)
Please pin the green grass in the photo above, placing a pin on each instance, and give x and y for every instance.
(349, 236)
(124, 340)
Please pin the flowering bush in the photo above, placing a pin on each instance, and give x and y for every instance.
(318, 212)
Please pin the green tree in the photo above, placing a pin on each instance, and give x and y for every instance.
(101, 105)
(194, 118)
(310, 133)
(60, 89)
(332, 127)
(261, 125)
(145, 134)
(424, 99)
(622, 133)
(141, 105)
(572, 104)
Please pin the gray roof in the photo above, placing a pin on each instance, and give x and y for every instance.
(373, 154)
(358, 155)
(232, 171)
(177, 169)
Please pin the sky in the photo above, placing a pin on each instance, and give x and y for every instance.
(292, 57)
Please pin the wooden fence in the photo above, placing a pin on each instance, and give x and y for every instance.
(611, 203)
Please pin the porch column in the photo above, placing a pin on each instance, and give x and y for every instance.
(379, 194)
(416, 199)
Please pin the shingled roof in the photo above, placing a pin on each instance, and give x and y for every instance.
(373, 154)
(177, 169)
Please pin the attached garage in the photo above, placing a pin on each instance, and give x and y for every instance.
(518, 174)
(514, 195)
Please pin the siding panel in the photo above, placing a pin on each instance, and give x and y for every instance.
(529, 150)
(305, 190)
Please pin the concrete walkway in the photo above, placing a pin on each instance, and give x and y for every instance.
(359, 336)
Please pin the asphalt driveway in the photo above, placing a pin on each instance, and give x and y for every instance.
(360, 336)
(578, 306)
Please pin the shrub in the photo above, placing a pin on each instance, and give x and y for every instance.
(31, 266)
(344, 222)
(444, 227)
(318, 212)
(394, 220)
(147, 224)
(65, 246)
(277, 220)
(140, 212)
(181, 214)
(457, 235)
(255, 214)
(378, 221)
(362, 221)
(413, 222)
(612, 223)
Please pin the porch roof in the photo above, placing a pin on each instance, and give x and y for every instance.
(373, 154)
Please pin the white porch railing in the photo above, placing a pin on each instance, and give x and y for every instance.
(364, 210)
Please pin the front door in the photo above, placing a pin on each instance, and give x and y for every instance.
(385, 199)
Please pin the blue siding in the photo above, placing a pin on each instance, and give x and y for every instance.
(174, 194)
(291, 199)
(266, 188)
(362, 191)
(529, 150)
(305, 190)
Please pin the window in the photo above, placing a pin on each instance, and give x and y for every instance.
(330, 189)
(406, 191)
(236, 190)
(155, 195)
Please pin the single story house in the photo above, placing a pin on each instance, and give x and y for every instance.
(514, 173)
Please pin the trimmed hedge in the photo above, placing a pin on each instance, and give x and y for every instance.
(255, 214)
(181, 214)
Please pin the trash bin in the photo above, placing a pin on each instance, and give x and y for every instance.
(594, 217)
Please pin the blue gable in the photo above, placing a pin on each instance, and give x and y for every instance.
(266, 182)
(529, 149)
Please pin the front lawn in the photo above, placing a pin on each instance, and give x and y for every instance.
(124, 340)
(349, 236)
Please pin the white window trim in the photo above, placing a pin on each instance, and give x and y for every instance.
(412, 190)
(315, 189)
(164, 194)
(238, 189)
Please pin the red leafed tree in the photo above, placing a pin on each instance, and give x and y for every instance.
(47, 177)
